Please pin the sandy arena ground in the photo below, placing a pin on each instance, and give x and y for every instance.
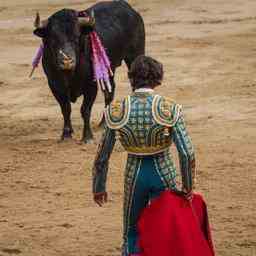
(208, 48)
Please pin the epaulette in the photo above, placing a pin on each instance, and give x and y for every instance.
(117, 113)
(165, 111)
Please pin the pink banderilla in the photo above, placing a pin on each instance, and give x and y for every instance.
(103, 53)
(101, 63)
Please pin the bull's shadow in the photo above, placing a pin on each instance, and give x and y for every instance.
(68, 54)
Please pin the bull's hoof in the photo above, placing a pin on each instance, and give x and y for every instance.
(87, 140)
(66, 135)
(65, 139)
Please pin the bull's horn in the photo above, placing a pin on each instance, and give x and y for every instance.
(38, 23)
(37, 20)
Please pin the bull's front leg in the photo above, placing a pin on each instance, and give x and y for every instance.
(86, 109)
(67, 129)
(65, 105)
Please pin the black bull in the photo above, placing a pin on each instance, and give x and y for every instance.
(67, 54)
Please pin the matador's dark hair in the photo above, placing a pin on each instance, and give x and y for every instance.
(145, 72)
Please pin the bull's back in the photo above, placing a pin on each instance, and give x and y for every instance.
(119, 26)
(115, 12)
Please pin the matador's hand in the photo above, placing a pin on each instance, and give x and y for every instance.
(188, 194)
(100, 198)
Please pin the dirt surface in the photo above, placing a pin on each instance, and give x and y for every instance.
(208, 48)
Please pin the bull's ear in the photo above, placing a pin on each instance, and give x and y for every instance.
(40, 32)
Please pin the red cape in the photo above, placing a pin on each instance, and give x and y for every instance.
(172, 226)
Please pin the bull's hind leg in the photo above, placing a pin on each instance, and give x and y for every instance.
(86, 109)
(135, 51)
(109, 96)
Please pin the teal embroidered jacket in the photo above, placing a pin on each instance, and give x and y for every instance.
(146, 124)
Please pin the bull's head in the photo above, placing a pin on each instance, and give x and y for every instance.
(61, 33)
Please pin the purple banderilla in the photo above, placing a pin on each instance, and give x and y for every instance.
(37, 58)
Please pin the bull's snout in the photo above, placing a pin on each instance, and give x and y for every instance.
(66, 62)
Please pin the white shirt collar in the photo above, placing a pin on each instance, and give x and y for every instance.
(144, 90)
